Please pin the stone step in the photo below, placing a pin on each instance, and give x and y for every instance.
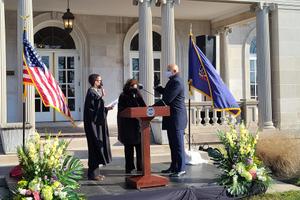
(67, 130)
(4, 193)
(78, 148)
(200, 133)
(2, 181)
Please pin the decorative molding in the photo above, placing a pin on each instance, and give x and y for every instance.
(136, 2)
(159, 2)
(224, 30)
(54, 15)
(260, 6)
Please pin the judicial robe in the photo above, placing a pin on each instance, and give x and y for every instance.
(96, 129)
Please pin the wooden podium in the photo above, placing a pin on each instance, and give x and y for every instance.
(146, 114)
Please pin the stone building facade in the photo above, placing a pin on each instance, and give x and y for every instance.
(257, 54)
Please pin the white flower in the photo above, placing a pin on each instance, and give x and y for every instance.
(62, 195)
(22, 191)
(29, 198)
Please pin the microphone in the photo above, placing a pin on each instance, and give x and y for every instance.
(141, 87)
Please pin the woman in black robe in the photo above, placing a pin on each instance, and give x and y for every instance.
(129, 133)
(95, 127)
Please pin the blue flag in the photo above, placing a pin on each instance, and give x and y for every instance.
(204, 78)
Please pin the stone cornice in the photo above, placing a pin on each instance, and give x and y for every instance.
(242, 17)
(279, 2)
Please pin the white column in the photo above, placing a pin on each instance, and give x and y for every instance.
(3, 103)
(146, 49)
(224, 68)
(25, 9)
(263, 67)
(168, 35)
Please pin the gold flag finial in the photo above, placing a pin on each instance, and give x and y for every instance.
(24, 18)
(191, 29)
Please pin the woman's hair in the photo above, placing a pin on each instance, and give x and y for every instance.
(128, 84)
(93, 78)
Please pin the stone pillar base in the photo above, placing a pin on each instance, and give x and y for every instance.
(11, 136)
(159, 135)
(269, 125)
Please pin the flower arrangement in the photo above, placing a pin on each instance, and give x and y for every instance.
(48, 172)
(242, 173)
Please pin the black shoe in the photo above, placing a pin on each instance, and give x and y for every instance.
(178, 174)
(97, 178)
(167, 171)
(128, 171)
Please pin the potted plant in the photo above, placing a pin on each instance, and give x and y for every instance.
(49, 173)
(242, 173)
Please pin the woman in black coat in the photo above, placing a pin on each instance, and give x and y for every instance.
(129, 133)
(95, 127)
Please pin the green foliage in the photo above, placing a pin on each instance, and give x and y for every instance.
(71, 172)
(241, 171)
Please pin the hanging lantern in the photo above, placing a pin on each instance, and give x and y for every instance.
(68, 19)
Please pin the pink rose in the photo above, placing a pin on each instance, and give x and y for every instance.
(36, 195)
(253, 173)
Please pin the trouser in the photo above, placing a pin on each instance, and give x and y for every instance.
(176, 143)
(129, 157)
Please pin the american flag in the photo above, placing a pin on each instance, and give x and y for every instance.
(36, 72)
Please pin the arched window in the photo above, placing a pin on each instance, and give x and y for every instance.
(53, 38)
(253, 70)
(58, 52)
(134, 45)
(134, 58)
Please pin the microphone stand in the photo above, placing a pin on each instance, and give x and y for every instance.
(153, 95)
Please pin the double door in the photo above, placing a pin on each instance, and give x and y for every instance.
(64, 67)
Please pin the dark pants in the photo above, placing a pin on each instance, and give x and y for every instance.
(129, 157)
(176, 143)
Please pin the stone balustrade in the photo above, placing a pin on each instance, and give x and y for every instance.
(202, 114)
(205, 121)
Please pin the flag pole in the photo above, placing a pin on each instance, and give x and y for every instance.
(24, 113)
(189, 116)
(24, 86)
(189, 109)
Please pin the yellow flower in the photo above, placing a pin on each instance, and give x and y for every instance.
(56, 184)
(47, 193)
(36, 137)
(34, 185)
(247, 175)
(32, 152)
(22, 183)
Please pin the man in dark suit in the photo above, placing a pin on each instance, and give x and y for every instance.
(173, 96)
